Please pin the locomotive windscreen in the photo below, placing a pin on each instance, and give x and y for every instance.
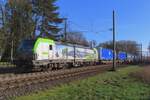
(26, 45)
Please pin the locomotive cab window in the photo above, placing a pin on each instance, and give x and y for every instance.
(50, 47)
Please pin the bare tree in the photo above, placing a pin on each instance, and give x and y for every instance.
(77, 38)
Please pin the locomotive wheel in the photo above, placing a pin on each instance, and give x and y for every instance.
(50, 67)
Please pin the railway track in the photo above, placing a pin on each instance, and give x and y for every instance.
(10, 84)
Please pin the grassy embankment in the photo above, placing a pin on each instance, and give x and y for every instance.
(107, 86)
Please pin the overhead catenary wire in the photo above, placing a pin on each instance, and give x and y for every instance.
(81, 28)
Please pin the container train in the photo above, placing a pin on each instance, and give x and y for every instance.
(48, 54)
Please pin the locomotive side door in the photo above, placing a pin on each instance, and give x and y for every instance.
(51, 47)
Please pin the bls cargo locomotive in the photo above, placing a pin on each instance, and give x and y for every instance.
(48, 54)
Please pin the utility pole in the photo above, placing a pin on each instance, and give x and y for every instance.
(65, 28)
(114, 44)
(147, 56)
(12, 51)
(141, 53)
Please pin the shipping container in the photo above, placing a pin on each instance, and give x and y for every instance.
(122, 56)
(105, 54)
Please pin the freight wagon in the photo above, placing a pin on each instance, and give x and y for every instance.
(105, 55)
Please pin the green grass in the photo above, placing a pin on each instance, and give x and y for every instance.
(107, 86)
(6, 64)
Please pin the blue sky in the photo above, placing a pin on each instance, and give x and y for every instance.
(94, 18)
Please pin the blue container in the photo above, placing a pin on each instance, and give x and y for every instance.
(105, 54)
(122, 56)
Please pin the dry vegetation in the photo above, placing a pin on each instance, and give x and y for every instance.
(143, 75)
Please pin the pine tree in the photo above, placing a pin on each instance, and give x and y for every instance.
(46, 16)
